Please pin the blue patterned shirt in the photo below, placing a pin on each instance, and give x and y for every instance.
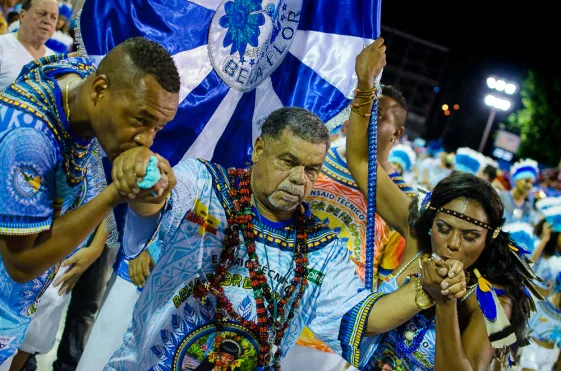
(36, 189)
(545, 323)
(172, 330)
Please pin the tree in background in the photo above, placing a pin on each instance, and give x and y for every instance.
(539, 119)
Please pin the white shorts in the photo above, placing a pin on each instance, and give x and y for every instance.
(43, 328)
(300, 358)
(538, 358)
(7, 363)
(111, 324)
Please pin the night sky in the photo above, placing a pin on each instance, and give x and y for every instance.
(484, 38)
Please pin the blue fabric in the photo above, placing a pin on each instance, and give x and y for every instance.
(422, 359)
(152, 175)
(545, 270)
(178, 25)
(545, 323)
(524, 239)
(307, 89)
(325, 16)
(524, 173)
(36, 188)
(467, 164)
(65, 10)
(551, 192)
(401, 158)
(181, 25)
(176, 138)
(238, 131)
(514, 213)
(555, 221)
(56, 46)
(28, 159)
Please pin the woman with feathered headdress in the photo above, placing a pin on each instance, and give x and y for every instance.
(457, 231)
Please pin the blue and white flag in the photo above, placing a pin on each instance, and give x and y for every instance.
(239, 60)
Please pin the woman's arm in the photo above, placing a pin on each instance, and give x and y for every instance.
(546, 235)
(467, 351)
(396, 308)
(391, 203)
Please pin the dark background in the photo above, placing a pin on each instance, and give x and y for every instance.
(484, 38)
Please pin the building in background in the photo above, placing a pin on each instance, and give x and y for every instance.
(416, 67)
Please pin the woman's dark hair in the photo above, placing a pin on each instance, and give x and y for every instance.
(551, 246)
(496, 262)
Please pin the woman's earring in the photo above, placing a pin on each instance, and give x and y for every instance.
(430, 232)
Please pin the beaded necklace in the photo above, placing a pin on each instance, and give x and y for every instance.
(241, 220)
(404, 350)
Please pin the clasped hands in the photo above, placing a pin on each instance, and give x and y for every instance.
(443, 280)
(130, 167)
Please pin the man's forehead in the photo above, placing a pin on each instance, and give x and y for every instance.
(45, 4)
(291, 144)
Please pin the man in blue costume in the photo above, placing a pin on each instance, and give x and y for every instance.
(243, 265)
(55, 121)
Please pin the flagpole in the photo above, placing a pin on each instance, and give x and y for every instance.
(371, 203)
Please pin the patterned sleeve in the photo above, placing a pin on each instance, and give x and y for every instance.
(342, 309)
(402, 184)
(28, 160)
(156, 233)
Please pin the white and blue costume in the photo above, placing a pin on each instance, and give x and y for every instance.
(35, 143)
(545, 327)
(404, 156)
(469, 161)
(524, 169)
(173, 330)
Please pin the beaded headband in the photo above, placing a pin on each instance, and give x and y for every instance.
(468, 219)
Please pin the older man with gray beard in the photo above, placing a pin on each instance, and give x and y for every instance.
(243, 265)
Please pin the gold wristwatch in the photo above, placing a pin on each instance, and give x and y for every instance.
(422, 299)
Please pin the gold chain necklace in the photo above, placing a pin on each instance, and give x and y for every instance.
(67, 106)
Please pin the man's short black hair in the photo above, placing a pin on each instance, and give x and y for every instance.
(394, 93)
(490, 172)
(136, 57)
(301, 122)
(12, 17)
(26, 5)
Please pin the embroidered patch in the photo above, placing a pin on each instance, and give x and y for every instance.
(26, 181)
(188, 344)
(248, 39)
(315, 276)
(199, 215)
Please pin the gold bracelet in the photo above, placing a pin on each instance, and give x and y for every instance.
(365, 95)
(357, 105)
(359, 92)
(365, 115)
